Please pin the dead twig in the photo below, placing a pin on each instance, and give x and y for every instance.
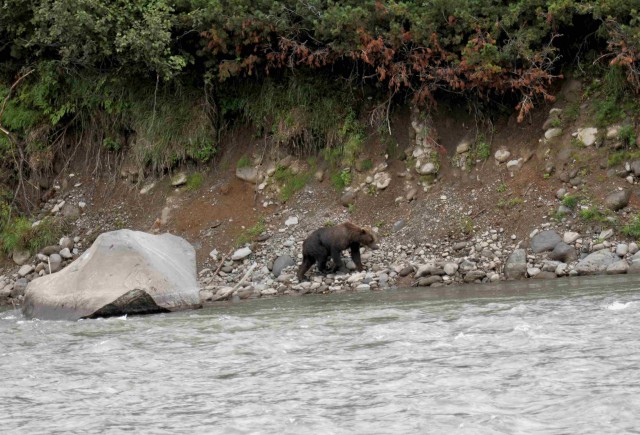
(222, 262)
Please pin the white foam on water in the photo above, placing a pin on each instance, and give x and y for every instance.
(617, 306)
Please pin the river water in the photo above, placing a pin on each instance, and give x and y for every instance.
(547, 357)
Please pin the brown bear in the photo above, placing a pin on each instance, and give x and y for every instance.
(331, 241)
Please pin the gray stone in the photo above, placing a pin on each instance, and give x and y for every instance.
(618, 199)
(281, 263)
(70, 211)
(562, 269)
(466, 266)
(398, 225)
(545, 275)
(533, 271)
(55, 260)
(587, 136)
(474, 275)
(249, 174)
(596, 263)
(622, 249)
(514, 165)
(319, 175)
(560, 194)
(564, 210)
(516, 265)
(66, 242)
(348, 198)
(617, 268)
(502, 155)
(179, 179)
(450, 268)
(123, 272)
(48, 250)
(428, 168)
(241, 253)
(635, 167)
(545, 241)
(293, 220)
(20, 257)
(382, 180)
(552, 132)
(25, 270)
(429, 280)
(406, 271)
(66, 253)
(570, 237)
(633, 248)
(606, 234)
(19, 287)
(564, 253)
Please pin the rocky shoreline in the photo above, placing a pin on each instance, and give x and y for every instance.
(489, 257)
(267, 268)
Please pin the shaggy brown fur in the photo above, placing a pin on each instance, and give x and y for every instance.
(331, 241)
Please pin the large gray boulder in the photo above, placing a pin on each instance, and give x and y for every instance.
(545, 241)
(596, 263)
(123, 272)
(516, 265)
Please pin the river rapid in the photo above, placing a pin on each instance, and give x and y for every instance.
(545, 357)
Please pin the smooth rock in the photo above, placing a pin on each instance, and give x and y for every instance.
(19, 287)
(596, 263)
(552, 132)
(293, 220)
(502, 155)
(516, 265)
(570, 237)
(588, 135)
(545, 241)
(617, 268)
(429, 280)
(20, 257)
(382, 180)
(281, 263)
(241, 253)
(66, 253)
(474, 275)
(179, 179)
(25, 270)
(564, 253)
(123, 272)
(249, 174)
(622, 249)
(55, 260)
(618, 200)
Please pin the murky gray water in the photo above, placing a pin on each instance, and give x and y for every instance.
(559, 357)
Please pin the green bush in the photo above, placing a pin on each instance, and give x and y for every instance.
(633, 229)
(20, 234)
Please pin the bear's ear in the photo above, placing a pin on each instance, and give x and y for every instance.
(363, 231)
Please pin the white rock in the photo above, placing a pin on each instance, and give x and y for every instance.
(622, 249)
(587, 135)
(25, 270)
(382, 180)
(570, 237)
(128, 269)
(502, 155)
(146, 189)
(426, 169)
(552, 132)
(214, 254)
(514, 165)
(533, 271)
(293, 220)
(241, 253)
(66, 253)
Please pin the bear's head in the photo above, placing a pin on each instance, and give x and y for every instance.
(368, 239)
